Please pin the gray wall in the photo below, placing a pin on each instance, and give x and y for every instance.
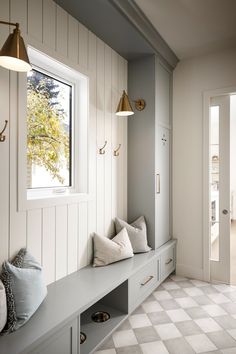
(141, 144)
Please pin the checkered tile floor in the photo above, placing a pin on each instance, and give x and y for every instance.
(182, 316)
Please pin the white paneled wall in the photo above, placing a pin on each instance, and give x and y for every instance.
(60, 236)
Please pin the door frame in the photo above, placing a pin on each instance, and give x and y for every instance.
(207, 95)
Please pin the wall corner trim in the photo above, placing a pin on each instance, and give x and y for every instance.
(189, 271)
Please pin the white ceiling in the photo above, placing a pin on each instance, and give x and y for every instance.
(193, 27)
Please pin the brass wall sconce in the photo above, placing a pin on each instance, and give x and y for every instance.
(124, 107)
(116, 151)
(2, 136)
(102, 149)
(13, 55)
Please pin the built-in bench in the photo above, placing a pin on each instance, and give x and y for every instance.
(117, 289)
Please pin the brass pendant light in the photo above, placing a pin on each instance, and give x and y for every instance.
(13, 55)
(124, 107)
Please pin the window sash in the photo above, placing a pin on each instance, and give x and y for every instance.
(79, 190)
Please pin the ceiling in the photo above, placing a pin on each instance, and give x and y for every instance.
(189, 27)
(193, 27)
(102, 18)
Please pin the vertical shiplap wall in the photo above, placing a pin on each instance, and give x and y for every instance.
(60, 236)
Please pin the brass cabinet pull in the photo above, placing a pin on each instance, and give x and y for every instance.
(158, 187)
(147, 280)
(169, 261)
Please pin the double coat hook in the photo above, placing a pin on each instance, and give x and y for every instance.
(102, 150)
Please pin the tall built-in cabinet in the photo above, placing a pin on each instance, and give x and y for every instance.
(149, 137)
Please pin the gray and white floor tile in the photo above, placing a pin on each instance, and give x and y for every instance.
(182, 316)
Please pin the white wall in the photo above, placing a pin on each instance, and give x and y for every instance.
(191, 78)
(232, 155)
(60, 236)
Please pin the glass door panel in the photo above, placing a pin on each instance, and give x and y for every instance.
(214, 181)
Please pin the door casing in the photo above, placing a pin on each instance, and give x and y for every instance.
(207, 95)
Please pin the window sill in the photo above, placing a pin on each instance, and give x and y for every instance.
(38, 202)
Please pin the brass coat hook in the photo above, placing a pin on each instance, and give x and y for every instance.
(116, 151)
(3, 137)
(101, 150)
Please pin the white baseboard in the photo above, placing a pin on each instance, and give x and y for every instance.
(189, 272)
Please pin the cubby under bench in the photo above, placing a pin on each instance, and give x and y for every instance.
(116, 289)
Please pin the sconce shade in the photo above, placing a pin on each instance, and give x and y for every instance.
(13, 54)
(124, 107)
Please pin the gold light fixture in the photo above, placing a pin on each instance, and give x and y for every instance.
(13, 55)
(124, 107)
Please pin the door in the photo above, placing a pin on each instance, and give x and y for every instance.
(219, 188)
(162, 200)
(64, 341)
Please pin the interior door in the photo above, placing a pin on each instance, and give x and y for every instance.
(219, 188)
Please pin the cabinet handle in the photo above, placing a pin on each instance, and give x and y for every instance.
(169, 261)
(158, 184)
(147, 280)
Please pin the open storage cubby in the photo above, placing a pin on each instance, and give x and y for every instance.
(116, 305)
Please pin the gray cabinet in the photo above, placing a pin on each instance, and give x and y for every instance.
(168, 260)
(149, 133)
(64, 341)
(143, 283)
(162, 196)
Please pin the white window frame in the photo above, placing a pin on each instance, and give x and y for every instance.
(43, 197)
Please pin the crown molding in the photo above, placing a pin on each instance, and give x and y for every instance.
(135, 15)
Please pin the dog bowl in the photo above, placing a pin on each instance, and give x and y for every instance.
(100, 316)
(83, 337)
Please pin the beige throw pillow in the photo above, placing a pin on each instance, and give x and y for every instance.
(3, 306)
(137, 232)
(108, 251)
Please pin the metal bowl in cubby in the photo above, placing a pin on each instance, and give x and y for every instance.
(83, 337)
(100, 316)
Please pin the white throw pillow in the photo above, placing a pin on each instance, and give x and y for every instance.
(3, 306)
(108, 251)
(137, 232)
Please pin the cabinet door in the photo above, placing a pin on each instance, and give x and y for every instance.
(141, 284)
(62, 342)
(162, 200)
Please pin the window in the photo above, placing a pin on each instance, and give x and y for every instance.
(53, 134)
(49, 133)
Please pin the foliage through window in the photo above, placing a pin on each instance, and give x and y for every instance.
(49, 128)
